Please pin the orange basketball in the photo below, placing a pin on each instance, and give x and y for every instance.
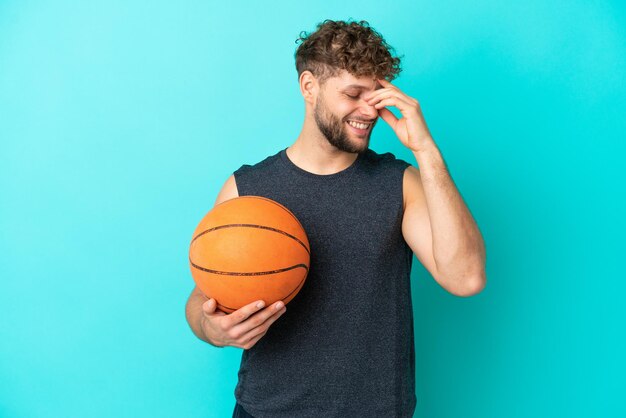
(249, 248)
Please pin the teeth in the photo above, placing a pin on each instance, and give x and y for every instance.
(358, 125)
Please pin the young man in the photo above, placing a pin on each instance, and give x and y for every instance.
(346, 348)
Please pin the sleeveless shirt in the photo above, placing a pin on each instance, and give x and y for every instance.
(345, 345)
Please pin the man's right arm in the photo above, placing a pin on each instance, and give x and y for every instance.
(193, 309)
(193, 312)
(242, 328)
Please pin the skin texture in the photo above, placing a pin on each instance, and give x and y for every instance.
(335, 130)
(326, 143)
(437, 225)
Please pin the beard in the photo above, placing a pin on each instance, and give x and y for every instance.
(334, 130)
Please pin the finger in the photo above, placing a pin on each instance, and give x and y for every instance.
(264, 326)
(390, 91)
(385, 83)
(257, 320)
(393, 101)
(243, 313)
(209, 306)
(391, 94)
(253, 341)
(376, 93)
(388, 117)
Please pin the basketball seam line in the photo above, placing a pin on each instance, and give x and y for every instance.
(252, 226)
(281, 206)
(270, 201)
(255, 273)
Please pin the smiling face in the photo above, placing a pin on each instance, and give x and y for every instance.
(341, 113)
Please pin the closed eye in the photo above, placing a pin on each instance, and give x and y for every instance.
(352, 97)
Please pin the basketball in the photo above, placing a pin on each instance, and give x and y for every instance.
(249, 248)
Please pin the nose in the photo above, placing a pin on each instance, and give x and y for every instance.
(369, 112)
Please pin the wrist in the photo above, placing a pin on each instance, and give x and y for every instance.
(428, 155)
(205, 335)
(427, 146)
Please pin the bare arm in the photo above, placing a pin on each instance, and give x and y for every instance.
(440, 228)
(243, 327)
(437, 224)
(193, 312)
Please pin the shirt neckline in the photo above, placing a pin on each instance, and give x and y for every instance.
(290, 164)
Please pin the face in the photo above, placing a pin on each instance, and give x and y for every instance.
(343, 117)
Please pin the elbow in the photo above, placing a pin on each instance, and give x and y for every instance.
(467, 286)
(471, 286)
(464, 275)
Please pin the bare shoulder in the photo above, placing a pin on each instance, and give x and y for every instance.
(411, 185)
(228, 191)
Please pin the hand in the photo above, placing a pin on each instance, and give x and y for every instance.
(242, 328)
(411, 128)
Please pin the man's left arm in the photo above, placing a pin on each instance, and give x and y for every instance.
(439, 227)
(437, 224)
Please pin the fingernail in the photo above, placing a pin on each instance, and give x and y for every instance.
(279, 305)
(260, 304)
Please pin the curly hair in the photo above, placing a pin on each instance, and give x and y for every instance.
(352, 46)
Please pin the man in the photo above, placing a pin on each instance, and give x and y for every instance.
(345, 348)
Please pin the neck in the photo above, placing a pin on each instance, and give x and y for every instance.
(312, 152)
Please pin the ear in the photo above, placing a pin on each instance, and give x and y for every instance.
(309, 86)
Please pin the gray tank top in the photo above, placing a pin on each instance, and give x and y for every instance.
(345, 347)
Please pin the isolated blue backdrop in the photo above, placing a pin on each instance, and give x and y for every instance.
(120, 120)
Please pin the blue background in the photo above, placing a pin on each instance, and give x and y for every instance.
(120, 121)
